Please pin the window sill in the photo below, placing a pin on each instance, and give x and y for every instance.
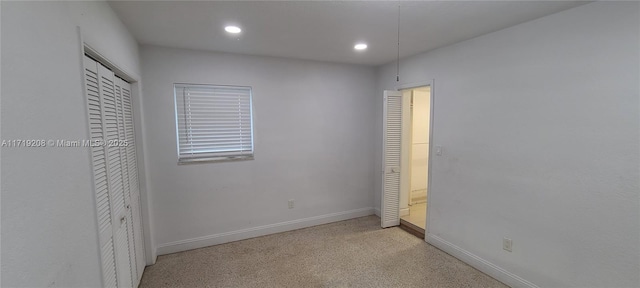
(214, 159)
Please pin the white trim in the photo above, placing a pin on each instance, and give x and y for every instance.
(413, 85)
(143, 173)
(122, 73)
(432, 99)
(220, 238)
(475, 261)
(404, 211)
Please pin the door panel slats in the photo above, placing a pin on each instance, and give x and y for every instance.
(391, 159)
(110, 117)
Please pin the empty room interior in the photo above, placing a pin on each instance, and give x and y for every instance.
(320, 144)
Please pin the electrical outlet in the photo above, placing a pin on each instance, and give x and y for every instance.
(506, 244)
(291, 203)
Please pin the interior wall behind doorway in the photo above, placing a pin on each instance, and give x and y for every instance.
(420, 144)
(415, 146)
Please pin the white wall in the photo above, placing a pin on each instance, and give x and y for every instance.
(49, 235)
(313, 143)
(540, 128)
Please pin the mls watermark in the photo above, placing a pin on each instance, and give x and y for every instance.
(62, 143)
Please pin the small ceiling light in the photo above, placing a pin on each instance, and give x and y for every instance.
(360, 46)
(233, 29)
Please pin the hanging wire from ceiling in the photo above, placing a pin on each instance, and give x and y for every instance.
(398, 55)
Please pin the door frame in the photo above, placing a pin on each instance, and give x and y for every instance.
(432, 85)
(86, 48)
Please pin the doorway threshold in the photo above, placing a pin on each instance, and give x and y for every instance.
(412, 228)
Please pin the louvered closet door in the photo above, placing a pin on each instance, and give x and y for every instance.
(130, 176)
(112, 109)
(101, 183)
(121, 147)
(108, 111)
(133, 179)
(392, 125)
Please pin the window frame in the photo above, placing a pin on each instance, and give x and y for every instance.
(212, 158)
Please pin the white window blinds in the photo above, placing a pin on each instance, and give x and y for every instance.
(213, 122)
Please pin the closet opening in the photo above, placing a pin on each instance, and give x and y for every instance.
(416, 114)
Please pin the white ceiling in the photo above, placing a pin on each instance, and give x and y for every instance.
(324, 30)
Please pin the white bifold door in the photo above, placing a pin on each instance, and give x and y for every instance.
(115, 175)
(392, 144)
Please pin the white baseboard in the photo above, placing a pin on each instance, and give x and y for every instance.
(215, 239)
(404, 211)
(376, 211)
(475, 261)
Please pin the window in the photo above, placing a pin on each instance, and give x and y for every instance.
(214, 123)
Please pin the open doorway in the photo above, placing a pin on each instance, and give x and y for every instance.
(416, 114)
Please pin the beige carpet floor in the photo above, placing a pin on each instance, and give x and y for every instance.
(352, 253)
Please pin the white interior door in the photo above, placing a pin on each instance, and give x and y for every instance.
(112, 111)
(115, 175)
(392, 145)
(136, 213)
(130, 178)
(119, 84)
(101, 182)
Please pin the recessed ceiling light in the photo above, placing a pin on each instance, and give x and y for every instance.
(233, 29)
(360, 46)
